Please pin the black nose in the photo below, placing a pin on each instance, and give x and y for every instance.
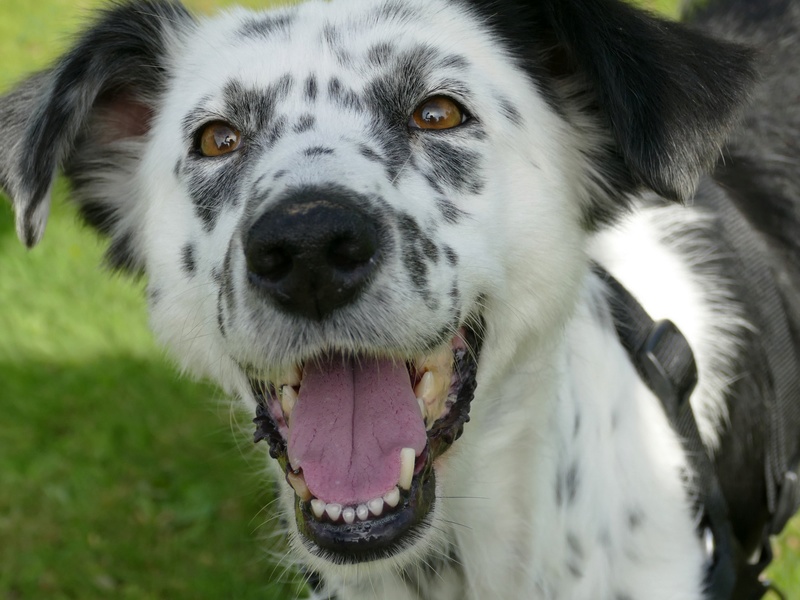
(314, 251)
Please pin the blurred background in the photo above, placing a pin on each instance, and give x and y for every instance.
(119, 479)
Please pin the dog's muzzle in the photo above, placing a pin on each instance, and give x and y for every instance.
(356, 433)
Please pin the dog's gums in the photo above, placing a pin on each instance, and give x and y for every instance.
(356, 498)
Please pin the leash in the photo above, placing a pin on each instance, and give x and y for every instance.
(664, 360)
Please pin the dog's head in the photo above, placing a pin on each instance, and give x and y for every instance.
(351, 213)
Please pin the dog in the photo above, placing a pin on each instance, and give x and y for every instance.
(395, 231)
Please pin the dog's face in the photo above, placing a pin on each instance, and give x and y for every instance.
(338, 183)
(351, 214)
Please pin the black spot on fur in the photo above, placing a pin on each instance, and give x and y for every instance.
(571, 482)
(154, 295)
(188, 261)
(567, 483)
(305, 123)
(455, 167)
(380, 54)
(311, 89)
(510, 111)
(266, 27)
(275, 131)
(574, 545)
(318, 151)
(451, 213)
(280, 174)
(370, 154)
(177, 168)
(393, 9)
(575, 556)
(635, 518)
(575, 570)
(451, 256)
(216, 275)
(344, 97)
(454, 61)
(414, 256)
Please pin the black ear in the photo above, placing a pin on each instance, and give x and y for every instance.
(111, 79)
(667, 94)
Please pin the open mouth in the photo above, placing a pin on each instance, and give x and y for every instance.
(357, 437)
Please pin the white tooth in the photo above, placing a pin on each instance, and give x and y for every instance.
(422, 409)
(375, 506)
(407, 459)
(334, 511)
(288, 400)
(292, 376)
(426, 388)
(392, 498)
(362, 512)
(318, 507)
(349, 515)
(298, 482)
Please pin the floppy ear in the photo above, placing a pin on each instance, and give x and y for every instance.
(667, 95)
(103, 90)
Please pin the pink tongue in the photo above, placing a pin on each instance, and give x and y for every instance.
(352, 419)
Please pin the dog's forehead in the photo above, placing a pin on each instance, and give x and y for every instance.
(356, 39)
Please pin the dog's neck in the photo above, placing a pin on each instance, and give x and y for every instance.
(592, 456)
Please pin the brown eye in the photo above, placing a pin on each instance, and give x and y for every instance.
(218, 138)
(438, 112)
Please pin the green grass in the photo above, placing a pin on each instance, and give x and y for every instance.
(117, 478)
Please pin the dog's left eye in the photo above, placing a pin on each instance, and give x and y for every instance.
(438, 112)
(218, 138)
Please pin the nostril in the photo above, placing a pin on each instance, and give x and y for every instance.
(272, 264)
(349, 254)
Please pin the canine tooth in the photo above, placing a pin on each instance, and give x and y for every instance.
(392, 498)
(298, 482)
(375, 506)
(407, 459)
(422, 409)
(426, 388)
(362, 512)
(349, 515)
(288, 400)
(334, 511)
(318, 507)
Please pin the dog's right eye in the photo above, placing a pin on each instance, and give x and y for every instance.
(218, 138)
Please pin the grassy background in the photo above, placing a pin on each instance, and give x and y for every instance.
(118, 479)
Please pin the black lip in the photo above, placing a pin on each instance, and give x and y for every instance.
(380, 537)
